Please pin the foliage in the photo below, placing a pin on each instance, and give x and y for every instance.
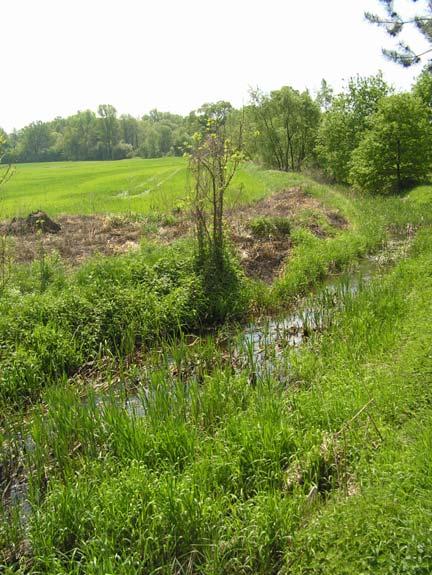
(423, 89)
(270, 227)
(108, 129)
(87, 136)
(284, 123)
(214, 160)
(162, 134)
(394, 24)
(396, 151)
(344, 123)
(109, 305)
(325, 95)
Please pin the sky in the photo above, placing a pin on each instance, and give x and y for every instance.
(61, 56)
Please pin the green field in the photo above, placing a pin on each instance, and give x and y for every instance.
(137, 185)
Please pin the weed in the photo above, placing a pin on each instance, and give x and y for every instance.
(270, 227)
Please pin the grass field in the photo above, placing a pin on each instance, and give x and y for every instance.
(135, 185)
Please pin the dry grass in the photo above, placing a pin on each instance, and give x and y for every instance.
(81, 237)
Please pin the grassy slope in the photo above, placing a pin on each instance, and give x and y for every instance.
(136, 185)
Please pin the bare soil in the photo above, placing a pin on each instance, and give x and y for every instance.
(81, 237)
(263, 258)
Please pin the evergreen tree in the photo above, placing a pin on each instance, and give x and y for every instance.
(394, 23)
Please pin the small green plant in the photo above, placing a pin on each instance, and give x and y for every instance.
(270, 227)
(315, 221)
(6, 261)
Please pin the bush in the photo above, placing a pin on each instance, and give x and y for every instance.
(111, 304)
(270, 227)
(225, 293)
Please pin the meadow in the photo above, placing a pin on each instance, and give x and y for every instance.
(143, 431)
(126, 186)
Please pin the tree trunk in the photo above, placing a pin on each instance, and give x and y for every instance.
(398, 166)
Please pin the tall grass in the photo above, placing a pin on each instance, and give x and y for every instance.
(221, 473)
(372, 222)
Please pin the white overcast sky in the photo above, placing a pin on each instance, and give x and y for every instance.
(60, 56)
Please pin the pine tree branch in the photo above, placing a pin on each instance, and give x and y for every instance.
(394, 24)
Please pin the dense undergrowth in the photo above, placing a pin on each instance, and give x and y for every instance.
(326, 471)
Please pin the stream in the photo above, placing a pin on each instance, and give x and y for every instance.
(260, 344)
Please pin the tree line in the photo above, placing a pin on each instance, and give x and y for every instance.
(104, 135)
(367, 135)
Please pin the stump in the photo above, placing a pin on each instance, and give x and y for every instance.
(35, 222)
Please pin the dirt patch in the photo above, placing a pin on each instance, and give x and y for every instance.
(264, 258)
(79, 238)
(83, 236)
(284, 203)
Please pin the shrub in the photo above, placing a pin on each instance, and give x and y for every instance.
(268, 227)
(111, 304)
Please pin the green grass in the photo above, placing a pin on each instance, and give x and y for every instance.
(217, 476)
(53, 321)
(270, 227)
(137, 186)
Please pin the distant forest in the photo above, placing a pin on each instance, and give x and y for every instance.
(99, 136)
(367, 135)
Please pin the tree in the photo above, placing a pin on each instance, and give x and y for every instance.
(109, 129)
(36, 140)
(286, 123)
(394, 24)
(396, 150)
(213, 162)
(159, 134)
(129, 130)
(81, 136)
(343, 125)
(216, 113)
(324, 97)
(423, 89)
(335, 141)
